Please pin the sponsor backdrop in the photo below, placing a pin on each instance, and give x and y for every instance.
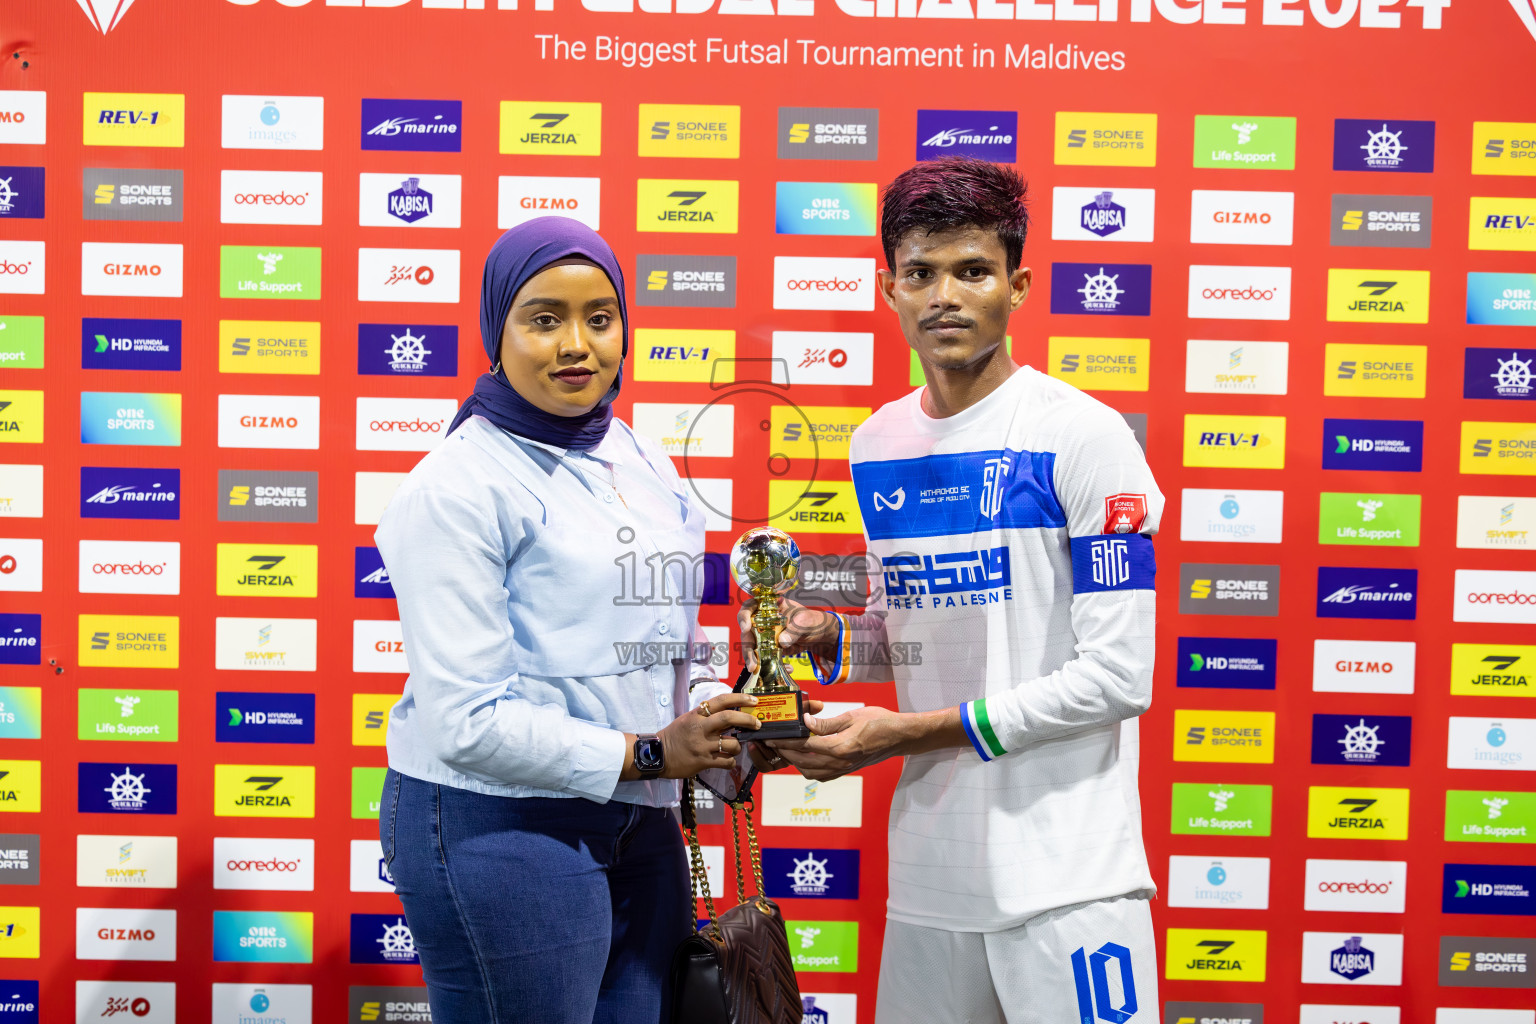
(1289, 239)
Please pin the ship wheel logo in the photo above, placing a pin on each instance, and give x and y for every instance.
(1360, 742)
(1384, 148)
(127, 789)
(1513, 377)
(810, 875)
(1101, 290)
(397, 942)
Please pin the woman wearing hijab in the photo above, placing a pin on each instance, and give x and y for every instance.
(525, 814)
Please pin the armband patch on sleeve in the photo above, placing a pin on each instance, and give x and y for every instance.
(1112, 563)
(978, 729)
(1124, 513)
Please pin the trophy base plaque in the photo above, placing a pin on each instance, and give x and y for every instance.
(782, 713)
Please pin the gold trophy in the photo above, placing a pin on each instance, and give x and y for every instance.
(766, 563)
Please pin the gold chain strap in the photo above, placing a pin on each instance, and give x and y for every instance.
(741, 885)
(757, 854)
(698, 879)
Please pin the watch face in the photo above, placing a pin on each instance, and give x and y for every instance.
(648, 754)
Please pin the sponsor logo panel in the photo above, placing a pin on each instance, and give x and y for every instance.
(1247, 517)
(1485, 816)
(129, 641)
(403, 424)
(24, 118)
(1235, 737)
(1375, 371)
(367, 787)
(1383, 145)
(828, 133)
(691, 281)
(1213, 1013)
(1239, 293)
(1503, 147)
(1507, 299)
(802, 873)
(378, 645)
(1113, 140)
(264, 645)
(1215, 954)
(409, 200)
(1370, 958)
(367, 1004)
(21, 565)
(20, 939)
(21, 344)
(125, 862)
(1102, 214)
(826, 357)
(1502, 224)
(135, 119)
(1398, 222)
(521, 198)
(369, 576)
(127, 714)
(264, 791)
(130, 933)
(672, 354)
(1226, 663)
(1356, 812)
(1390, 445)
(814, 432)
(23, 267)
(824, 945)
(1378, 296)
(269, 272)
(687, 130)
(20, 857)
(21, 193)
(264, 717)
(286, 865)
(21, 417)
(263, 936)
(1493, 595)
(1222, 883)
(271, 197)
(21, 786)
(1362, 739)
(1245, 141)
(382, 939)
(1498, 448)
(1215, 589)
(1493, 670)
(371, 493)
(268, 496)
(537, 126)
(267, 570)
(21, 716)
(1493, 744)
(273, 122)
(367, 870)
(408, 350)
(119, 344)
(688, 429)
(1101, 364)
(270, 1004)
(1488, 374)
(130, 567)
(1234, 442)
(1357, 886)
(1370, 520)
(1366, 593)
(142, 269)
(823, 282)
(370, 717)
(269, 346)
(1488, 889)
(816, 506)
(408, 275)
(686, 205)
(824, 208)
(130, 418)
(1363, 666)
(1484, 962)
(269, 421)
(150, 1002)
(1241, 218)
(21, 492)
(416, 126)
(984, 134)
(1101, 289)
(796, 801)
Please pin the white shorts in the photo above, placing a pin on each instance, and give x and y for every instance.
(1089, 962)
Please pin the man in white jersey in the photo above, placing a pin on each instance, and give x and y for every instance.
(1011, 515)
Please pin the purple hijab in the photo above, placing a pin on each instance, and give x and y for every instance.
(516, 258)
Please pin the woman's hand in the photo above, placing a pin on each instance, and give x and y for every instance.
(763, 754)
(695, 741)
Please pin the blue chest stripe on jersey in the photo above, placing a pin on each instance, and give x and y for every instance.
(1122, 562)
(960, 494)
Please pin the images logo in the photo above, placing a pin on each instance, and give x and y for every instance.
(1383, 145)
(113, 344)
(1234, 737)
(409, 200)
(678, 130)
(824, 208)
(1365, 593)
(273, 122)
(823, 282)
(135, 119)
(984, 134)
(678, 205)
(129, 641)
(1498, 448)
(21, 193)
(1114, 140)
(1378, 520)
(269, 272)
(1507, 225)
(1241, 218)
(143, 269)
(1211, 955)
(1236, 442)
(417, 126)
(264, 718)
(408, 275)
(1401, 222)
(1236, 517)
(271, 197)
(1229, 883)
(1101, 289)
(1378, 296)
(1391, 445)
(828, 133)
(684, 355)
(1245, 141)
(694, 281)
(118, 788)
(1239, 293)
(1226, 663)
(263, 936)
(1110, 215)
(1503, 147)
(537, 126)
(264, 790)
(1361, 739)
(1101, 364)
(407, 350)
(1339, 812)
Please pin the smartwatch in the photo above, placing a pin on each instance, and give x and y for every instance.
(650, 760)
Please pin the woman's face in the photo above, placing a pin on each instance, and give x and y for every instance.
(563, 342)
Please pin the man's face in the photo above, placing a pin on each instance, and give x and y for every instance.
(952, 293)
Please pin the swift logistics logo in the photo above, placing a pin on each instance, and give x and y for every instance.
(984, 134)
(1502, 224)
(1505, 147)
(119, 344)
(267, 570)
(1499, 373)
(686, 205)
(1398, 222)
(1370, 520)
(408, 350)
(1367, 593)
(115, 787)
(522, 198)
(691, 281)
(264, 717)
(1356, 812)
(264, 645)
(1215, 589)
(828, 133)
(416, 126)
(269, 272)
(1507, 449)
(1245, 141)
(1231, 737)
(130, 418)
(129, 641)
(1362, 740)
(135, 119)
(1108, 140)
(1234, 442)
(1241, 218)
(824, 208)
(264, 790)
(687, 130)
(1237, 367)
(1493, 670)
(269, 346)
(1215, 954)
(549, 127)
(1101, 364)
(1381, 145)
(1389, 445)
(1378, 296)
(1488, 889)
(1101, 289)
(671, 354)
(125, 862)
(1375, 371)
(1103, 214)
(1226, 663)
(21, 492)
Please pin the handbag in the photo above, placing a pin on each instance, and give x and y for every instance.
(738, 969)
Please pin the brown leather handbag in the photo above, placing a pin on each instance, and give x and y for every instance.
(738, 969)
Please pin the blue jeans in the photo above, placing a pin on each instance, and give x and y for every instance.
(537, 910)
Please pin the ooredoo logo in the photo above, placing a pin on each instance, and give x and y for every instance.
(812, 282)
(1240, 293)
(269, 421)
(22, 268)
(130, 567)
(130, 268)
(1489, 595)
(271, 197)
(1357, 886)
(403, 424)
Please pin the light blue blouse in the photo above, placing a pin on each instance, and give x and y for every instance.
(549, 603)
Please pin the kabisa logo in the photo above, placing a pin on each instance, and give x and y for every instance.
(1226, 662)
(1402, 222)
(1352, 960)
(273, 122)
(382, 939)
(1361, 739)
(117, 344)
(410, 202)
(551, 127)
(1101, 289)
(829, 133)
(264, 718)
(984, 134)
(369, 577)
(1499, 373)
(1103, 216)
(1491, 744)
(118, 788)
(105, 15)
(269, 272)
(694, 281)
(1391, 445)
(129, 493)
(1219, 954)
(1245, 141)
(803, 873)
(21, 193)
(1383, 145)
(419, 126)
(1367, 593)
(1091, 978)
(135, 119)
(408, 350)
(1504, 147)
(1119, 140)
(676, 204)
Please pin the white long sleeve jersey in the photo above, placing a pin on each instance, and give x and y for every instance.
(1015, 551)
